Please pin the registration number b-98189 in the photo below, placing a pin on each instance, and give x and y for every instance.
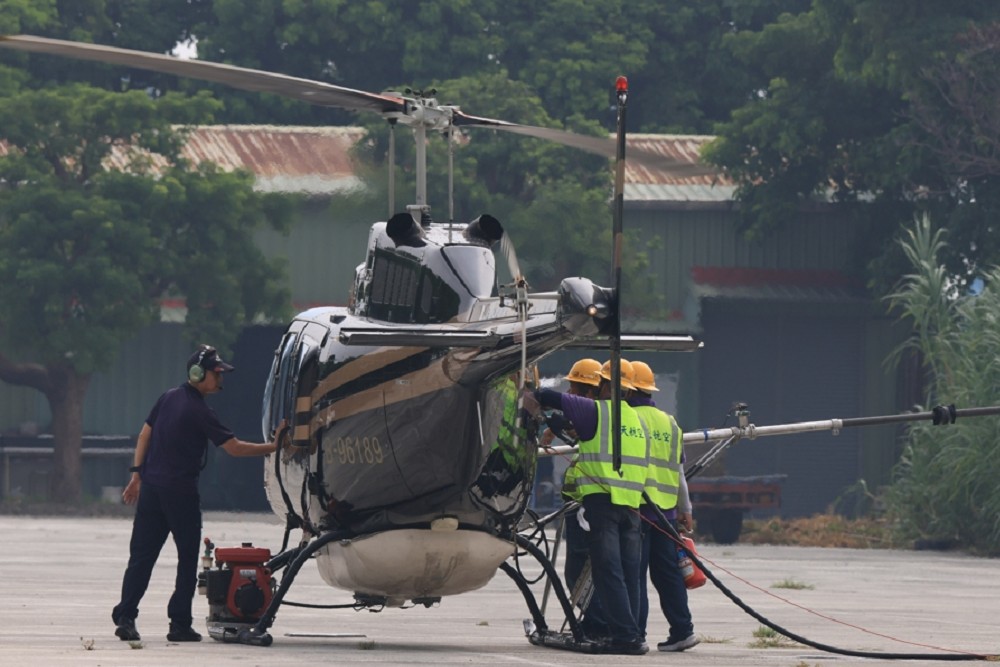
(354, 451)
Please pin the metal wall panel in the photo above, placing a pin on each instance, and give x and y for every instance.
(687, 238)
(119, 399)
(322, 252)
(789, 364)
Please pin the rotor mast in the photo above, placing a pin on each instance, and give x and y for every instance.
(420, 113)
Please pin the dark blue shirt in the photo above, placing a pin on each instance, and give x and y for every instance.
(182, 423)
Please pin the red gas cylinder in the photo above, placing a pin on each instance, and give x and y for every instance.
(250, 585)
(693, 576)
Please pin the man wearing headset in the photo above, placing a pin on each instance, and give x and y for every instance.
(164, 484)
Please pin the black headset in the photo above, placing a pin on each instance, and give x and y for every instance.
(196, 373)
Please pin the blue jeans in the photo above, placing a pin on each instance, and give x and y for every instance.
(577, 553)
(161, 512)
(615, 543)
(659, 558)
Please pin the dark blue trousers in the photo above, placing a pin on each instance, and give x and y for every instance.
(615, 544)
(659, 558)
(161, 512)
(577, 553)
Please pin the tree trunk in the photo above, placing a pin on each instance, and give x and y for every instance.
(66, 393)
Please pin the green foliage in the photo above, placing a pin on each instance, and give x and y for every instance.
(830, 113)
(87, 252)
(25, 15)
(945, 484)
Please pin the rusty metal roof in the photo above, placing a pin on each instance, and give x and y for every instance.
(316, 160)
(657, 185)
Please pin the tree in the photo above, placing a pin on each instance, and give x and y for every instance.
(956, 110)
(828, 115)
(150, 25)
(88, 250)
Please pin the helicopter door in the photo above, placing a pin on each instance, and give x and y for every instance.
(303, 383)
(272, 410)
(287, 395)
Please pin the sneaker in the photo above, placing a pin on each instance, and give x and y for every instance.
(675, 645)
(125, 630)
(637, 647)
(185, 634)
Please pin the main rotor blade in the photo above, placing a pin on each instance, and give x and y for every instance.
(598, 145)
(306, 90)
(327, 94)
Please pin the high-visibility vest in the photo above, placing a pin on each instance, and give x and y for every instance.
(596, 473)
(510, 427)
(663, 476)
(570, 478)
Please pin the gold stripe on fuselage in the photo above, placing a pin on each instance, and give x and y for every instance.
(363, 365)
(440, 374)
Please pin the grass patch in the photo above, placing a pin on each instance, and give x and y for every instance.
(765, 637)
(824, 530)
(367, 646)
(793, 585)
(707, 639)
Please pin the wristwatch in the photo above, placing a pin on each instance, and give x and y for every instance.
(135, 469)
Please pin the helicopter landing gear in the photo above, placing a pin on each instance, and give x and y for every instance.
(536, 628)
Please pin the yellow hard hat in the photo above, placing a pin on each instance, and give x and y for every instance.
(643, 377)
(586, 371)
(627, 373)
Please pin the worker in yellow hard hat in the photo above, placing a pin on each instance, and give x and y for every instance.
(584, 379)
(667, 489)
(610, 499)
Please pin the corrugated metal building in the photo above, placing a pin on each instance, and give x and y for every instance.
(785, 330)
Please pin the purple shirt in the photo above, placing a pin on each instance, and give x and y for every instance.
(580, 410)
(182, 423)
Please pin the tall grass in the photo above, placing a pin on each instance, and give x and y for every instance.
(947, 483)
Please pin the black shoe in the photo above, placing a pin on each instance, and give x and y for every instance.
(185, 634)
(125, 630)
(673, 645)
(637, 647)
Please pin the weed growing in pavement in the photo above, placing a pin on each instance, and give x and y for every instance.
(765, 637)
(791, 584)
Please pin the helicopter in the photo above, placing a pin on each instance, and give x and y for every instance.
(406, 460)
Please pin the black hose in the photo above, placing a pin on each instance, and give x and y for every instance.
(799, 638)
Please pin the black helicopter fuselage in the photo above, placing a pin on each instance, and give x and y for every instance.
(403, 411)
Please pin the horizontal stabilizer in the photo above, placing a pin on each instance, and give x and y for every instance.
(422, 337)
(654, 342)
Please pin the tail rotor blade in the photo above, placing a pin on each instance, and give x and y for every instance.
(507, 250)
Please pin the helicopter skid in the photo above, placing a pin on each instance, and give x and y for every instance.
(407, 564)
(562, 640)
